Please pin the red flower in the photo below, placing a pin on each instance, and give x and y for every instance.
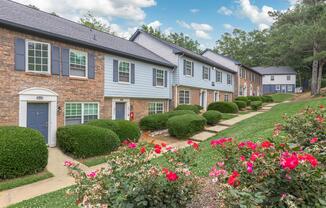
(195, 146)
(248, 144)
(168, 148)
(289, 161)
(157, 150)
(233, 179)
(242, 158)
(266, 144)
(163, 144)
(132, 145)
(321, 106)
(165, 170)
(311, 159)
(282, 145)
(221, 142)
(255, 155)
(190, 142)
(125, 142)
(157, 146)
(142, 150)
(313, 140)
(320, 119)
(171, 176)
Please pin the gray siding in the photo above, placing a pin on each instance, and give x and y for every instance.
(270, 89)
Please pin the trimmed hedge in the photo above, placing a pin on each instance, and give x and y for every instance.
(245, 99)
(159, 121)
(193, 108)
(255, 105)
(267, 99)
(224, 107)
(241, 104)
(186, 125)
(84, 141)
(22, 151)
(212, 117)
(254, 98)
(126, 130)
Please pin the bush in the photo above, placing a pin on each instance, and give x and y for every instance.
(223, 107)
(267, 99)
(158, 121)
(193, 108)
(255, 105)
(212, 117)
(245, 99)
(22, 152)
(186, 125)
(241, 104)
(254, 98)
(199, 107)
(126, 130)
(84, 141)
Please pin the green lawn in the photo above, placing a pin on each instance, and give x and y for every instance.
(280, 97)
(16, 182)
(94, 160)
(253, 128)
(227, 116)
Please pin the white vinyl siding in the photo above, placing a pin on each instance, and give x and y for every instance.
(77, 63)
(124, 72)
(184, 97)
(79, 113)
(155, 108)
(38, 57)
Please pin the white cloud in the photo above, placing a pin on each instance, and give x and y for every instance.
(256, 15)
(229, 26)
(155, 25)
(224, 10)
(194, 10)
(201, 30)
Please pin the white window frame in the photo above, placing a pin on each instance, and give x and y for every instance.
(278, 87)
(272, 78)
(221, 78)
(288, 88)
(82, 110)
(227, 97)
(288, 77)
(204, 72)
(229, 79)
(191, 67)
(26, 57)
(183, 103)
(123, 82)
(163, 83)
(155, 108)
(86, 63)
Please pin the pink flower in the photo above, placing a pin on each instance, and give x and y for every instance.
(220, 164)
(132, 145)
(289, 161)
(308, 157)
(92, 174)
(250, 167)
(266, 144)
(256, 155)
(248, 144)
(190, 142)
(168, 148)
(220, 141)
(320, 119)
(215, 173)
(242, 158)
(313, 140)
(171, 176)
(69, 163)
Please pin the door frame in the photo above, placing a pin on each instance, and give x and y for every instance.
(127, 107)
(201, 99)
(40, 95)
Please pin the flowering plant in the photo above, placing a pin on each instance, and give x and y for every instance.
(131, 179)
(267, 174)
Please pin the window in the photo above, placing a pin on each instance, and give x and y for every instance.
(278, 87)
(206, 72)
(218, 76)
(226, 98)
(184, 97)
(229, 79)
(241, 91)
(242, 73)
(288, 77)
(188, 67)
(290, 88)
(272, 77)
(159, 77)
(79, 113)
(155, 108)
(38, 57)
(124, 72)
(78, 63)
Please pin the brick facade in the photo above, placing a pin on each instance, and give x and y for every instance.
(247, 80)
(68, 89)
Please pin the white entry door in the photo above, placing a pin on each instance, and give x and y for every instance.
(203, 99)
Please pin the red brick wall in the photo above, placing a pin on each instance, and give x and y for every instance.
(255, 84)
(68, 89)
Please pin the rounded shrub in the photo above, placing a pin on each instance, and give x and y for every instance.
(193, 108)
(245, 99)
(267, 99)
(126, 130)
(180, 113)
(241, 104)
(84, 141)
(212, 117)
(22, 151)
(224, 107)
(186, 125)
(254, 98)
(255, 105)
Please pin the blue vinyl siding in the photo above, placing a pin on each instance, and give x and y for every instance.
(269, 89)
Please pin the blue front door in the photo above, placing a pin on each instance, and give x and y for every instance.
(38, 117)
(120, 112)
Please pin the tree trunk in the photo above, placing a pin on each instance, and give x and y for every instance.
(320, 75)
(314, 76)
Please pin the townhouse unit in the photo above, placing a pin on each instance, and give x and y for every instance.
(278, 79)
(56, 72)
(196, 79)
(248, 80)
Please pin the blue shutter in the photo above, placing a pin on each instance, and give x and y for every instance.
(184, 67)
(20, 54)
(115, 70)
(209, 73)
(166, 79)
(91, 65)
(65, 61)
(192, 68)
(55, 60)
(203, 73)
(132, 73)
(154, 77)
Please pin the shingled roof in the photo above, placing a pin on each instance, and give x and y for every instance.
(275, 70)
(23, 18)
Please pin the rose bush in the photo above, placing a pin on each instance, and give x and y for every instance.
(131, 180)
(268, 174)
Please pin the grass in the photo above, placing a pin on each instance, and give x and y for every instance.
(16, 182)
(281, 97)
(94, 160)
(227, 116)
(253, 128)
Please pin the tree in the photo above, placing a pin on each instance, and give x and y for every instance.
(176, 38)
(89, 20)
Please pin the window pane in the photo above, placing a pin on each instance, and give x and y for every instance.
(37, 57)
(77, 67)
(159, 77)
(188, 67)
(73, 113)
(124, 72)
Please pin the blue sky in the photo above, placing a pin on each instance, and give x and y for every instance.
(203, 20)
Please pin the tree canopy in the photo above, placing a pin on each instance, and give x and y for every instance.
(89, 20)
